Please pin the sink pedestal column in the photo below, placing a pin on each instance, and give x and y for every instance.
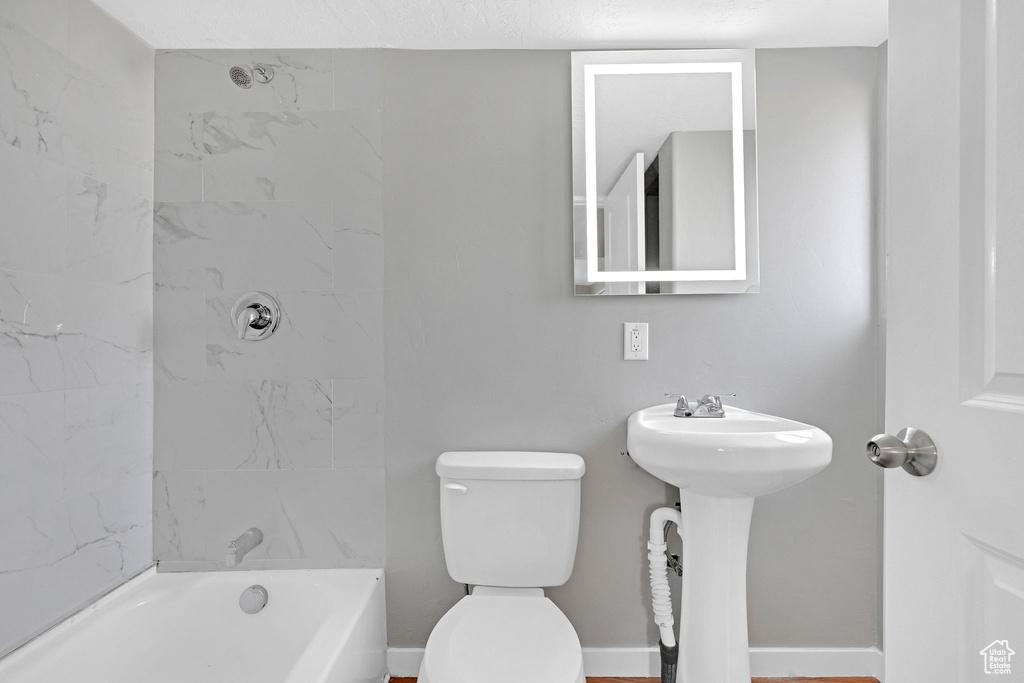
(713, 645)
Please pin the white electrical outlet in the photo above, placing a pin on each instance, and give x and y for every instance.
(634, 341)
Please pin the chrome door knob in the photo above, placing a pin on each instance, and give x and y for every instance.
(912, 449)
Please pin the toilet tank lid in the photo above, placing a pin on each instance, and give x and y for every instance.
(521, 465)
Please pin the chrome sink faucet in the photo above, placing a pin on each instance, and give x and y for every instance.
(237, 549)
(710, 405)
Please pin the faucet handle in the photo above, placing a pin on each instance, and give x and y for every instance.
(682, 405)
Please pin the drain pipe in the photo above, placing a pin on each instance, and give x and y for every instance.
(661, 596)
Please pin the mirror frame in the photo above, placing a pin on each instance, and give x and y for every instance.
(739, 64)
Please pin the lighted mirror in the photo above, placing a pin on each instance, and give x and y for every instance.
(664, 172)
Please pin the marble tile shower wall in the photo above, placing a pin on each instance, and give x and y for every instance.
(76, 361)
(276, 189)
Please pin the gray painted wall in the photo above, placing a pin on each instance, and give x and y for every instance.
(76, 325)
(486, 348)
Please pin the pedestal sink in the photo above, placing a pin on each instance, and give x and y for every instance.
(720, 465)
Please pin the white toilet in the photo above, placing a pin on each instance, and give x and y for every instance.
(510, 522)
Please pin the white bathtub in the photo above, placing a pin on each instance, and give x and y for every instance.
(319, 626)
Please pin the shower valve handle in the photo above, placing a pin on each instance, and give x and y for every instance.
(246, 319)
(255, 316)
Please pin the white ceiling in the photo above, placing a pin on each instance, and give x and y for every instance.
(496, 24)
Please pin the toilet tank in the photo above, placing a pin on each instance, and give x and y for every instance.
(510, 518)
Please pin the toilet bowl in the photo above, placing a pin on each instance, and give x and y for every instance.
(510, 523)
(503, 639)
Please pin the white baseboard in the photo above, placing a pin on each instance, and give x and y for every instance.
(778, 662)
(404, 661)
(766, 662)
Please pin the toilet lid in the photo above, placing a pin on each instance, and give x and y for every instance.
(502, 639)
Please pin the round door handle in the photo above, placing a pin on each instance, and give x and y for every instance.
(912, 449)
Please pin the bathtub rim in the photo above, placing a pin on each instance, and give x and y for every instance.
(31, 647)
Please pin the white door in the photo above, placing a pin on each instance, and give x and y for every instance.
(625, 219)
(954, 540)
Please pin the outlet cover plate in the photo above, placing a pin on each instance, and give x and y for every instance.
(634, 341)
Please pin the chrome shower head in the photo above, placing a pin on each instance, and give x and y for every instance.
(243, 76)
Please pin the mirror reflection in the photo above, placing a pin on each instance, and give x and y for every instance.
(664, 166)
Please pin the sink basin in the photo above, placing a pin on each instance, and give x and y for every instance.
(720, 465)
(741, 454)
